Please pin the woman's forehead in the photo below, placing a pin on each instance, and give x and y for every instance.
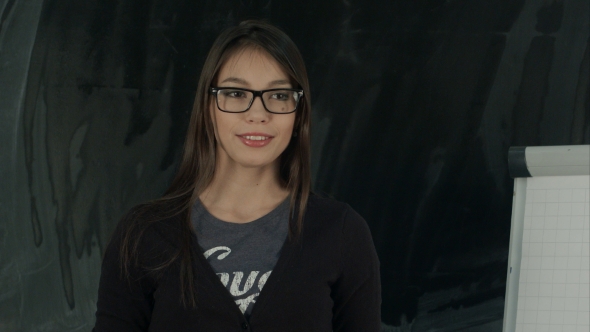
(251, 64)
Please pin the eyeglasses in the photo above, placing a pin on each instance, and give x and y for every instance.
(237, 100)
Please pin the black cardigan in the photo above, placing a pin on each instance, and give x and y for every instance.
(327, 280)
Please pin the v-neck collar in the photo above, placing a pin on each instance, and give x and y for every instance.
(268, 291)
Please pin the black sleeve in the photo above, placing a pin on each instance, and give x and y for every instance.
(357, 293)
(124, 304)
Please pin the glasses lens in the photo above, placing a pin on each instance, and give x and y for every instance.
(276, 101)
(281, 101)
(233, 100)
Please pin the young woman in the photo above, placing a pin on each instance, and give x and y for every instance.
(238, 243)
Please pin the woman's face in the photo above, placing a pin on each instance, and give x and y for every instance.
(255, 138)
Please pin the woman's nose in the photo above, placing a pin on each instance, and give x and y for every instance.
(257, 112)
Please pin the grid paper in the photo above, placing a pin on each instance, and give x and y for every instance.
(553, 291)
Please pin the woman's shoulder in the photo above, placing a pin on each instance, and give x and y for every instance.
(147, 221)
(325, 205)
(334, 224)
(331, 212)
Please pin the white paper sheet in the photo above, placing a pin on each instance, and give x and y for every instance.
(553, 291)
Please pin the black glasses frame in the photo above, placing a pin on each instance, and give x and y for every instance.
(255, 93)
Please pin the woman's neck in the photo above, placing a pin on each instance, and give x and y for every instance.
(242, 194)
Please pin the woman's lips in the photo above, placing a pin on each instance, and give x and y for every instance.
(255, 140)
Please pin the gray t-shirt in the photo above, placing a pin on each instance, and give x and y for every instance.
(242, 255)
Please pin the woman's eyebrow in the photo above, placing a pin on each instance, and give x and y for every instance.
(235, 80)
(243, 82)
(279, 82)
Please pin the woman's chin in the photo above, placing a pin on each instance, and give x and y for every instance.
(255, 164)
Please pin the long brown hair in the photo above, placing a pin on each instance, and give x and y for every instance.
(197, 166)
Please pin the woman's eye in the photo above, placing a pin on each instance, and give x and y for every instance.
(280, 96)
(234, 94)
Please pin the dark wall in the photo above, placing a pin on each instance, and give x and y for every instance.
(415, 104)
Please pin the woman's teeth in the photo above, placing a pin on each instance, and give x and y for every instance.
(256, 138)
